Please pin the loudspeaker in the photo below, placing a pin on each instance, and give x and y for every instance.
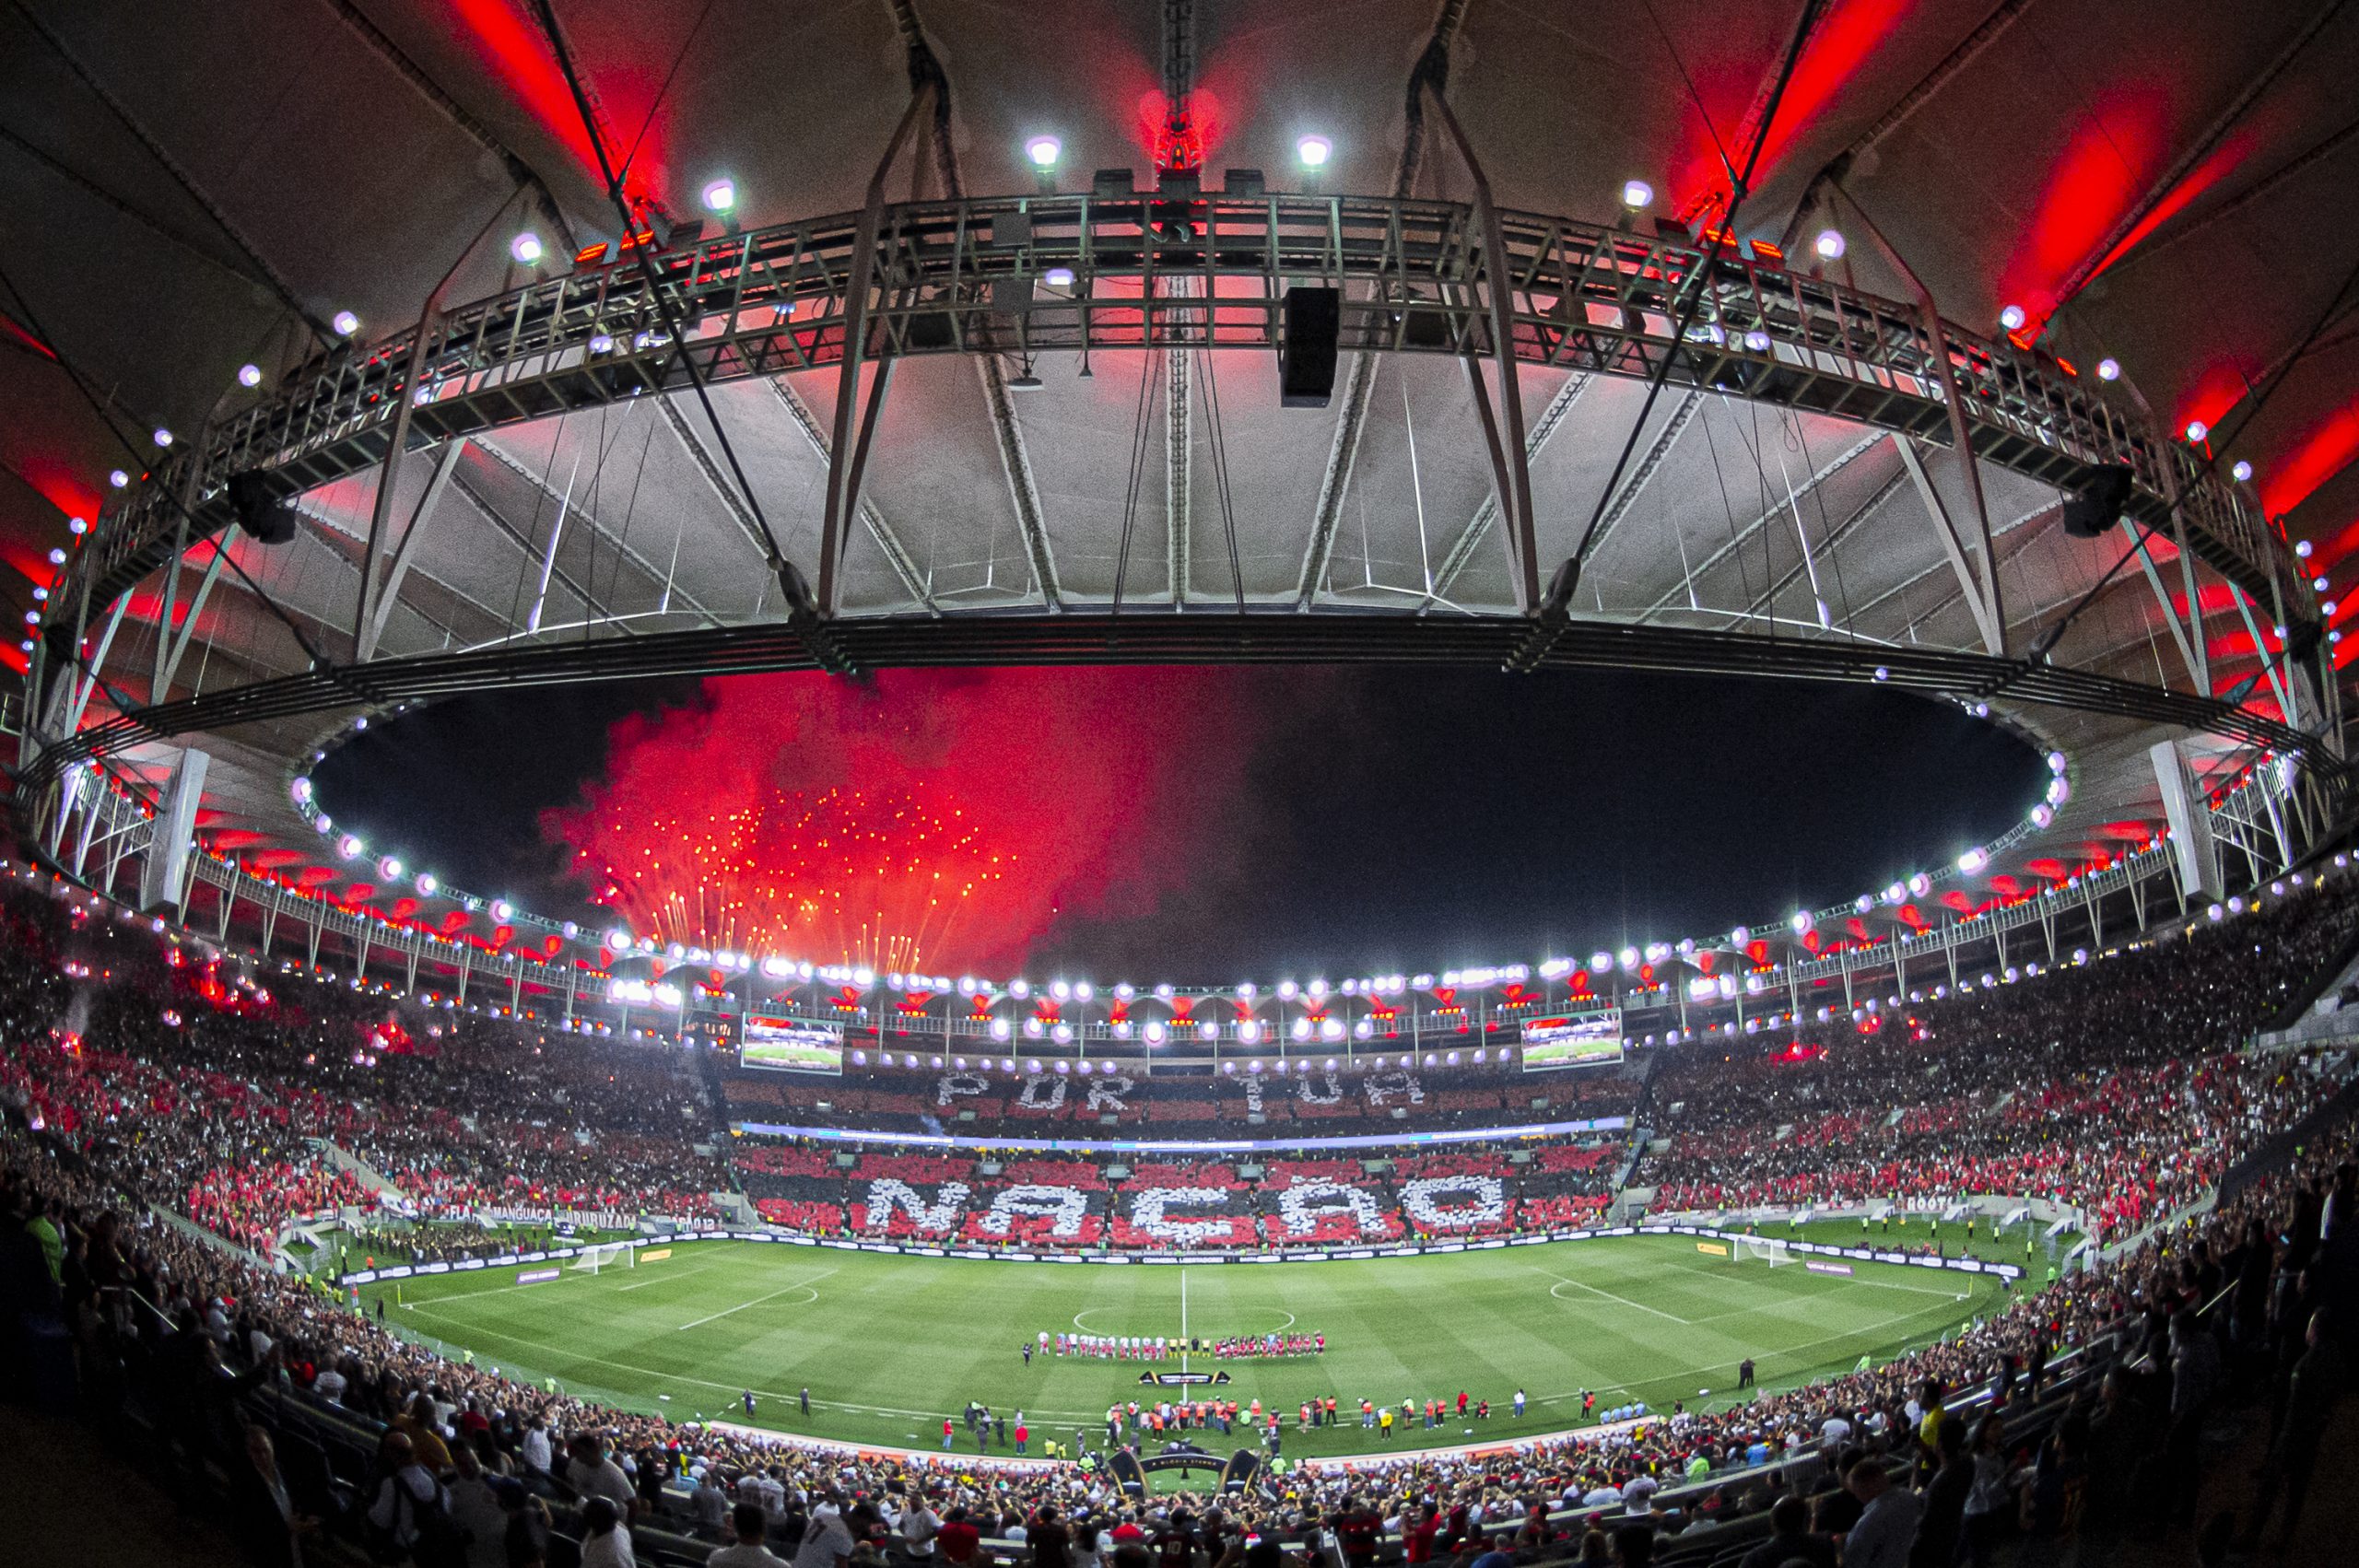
(1314, 320)
(268, 518)
(2100, 502)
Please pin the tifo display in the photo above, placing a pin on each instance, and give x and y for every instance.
(589, 1229)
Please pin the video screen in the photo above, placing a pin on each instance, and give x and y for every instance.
(788, 1046)
(1592, 1039)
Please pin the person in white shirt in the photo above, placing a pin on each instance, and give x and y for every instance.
(329, 1385)
(826, 1542)
(537, 1453)
(594, 1475)
(1833, 1431)
(919, 1524)
(750, 1523)
(605, 1540)
(1637, 1490)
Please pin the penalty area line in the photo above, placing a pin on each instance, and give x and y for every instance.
(1609, 1295)
(732, 1310)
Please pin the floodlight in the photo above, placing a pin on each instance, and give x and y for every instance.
(1314, 151)
(719, 196)
(346, 323)
(1637, 194)
(1044, 151)
(525, 248)
(1830, 244)
(2108, 369)
(250, 375)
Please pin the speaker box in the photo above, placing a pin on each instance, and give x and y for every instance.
(2100, 502)
(1313, 322)
(268, 518)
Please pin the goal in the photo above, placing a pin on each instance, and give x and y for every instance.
(608, 1255)
(1772, 1252)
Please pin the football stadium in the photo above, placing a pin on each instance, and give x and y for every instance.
(1179, 785)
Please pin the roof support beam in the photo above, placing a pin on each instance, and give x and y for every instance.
(897, 554)
(579, 512)
(1462, 549)
(483, 135)
(2001, 18)
(180, 177)
(2186, 163)
(1842, 460)
(1981, 598)
(1627, 496)
(1359, 381)
(848, 448)
(1178, 469)
(374, 630)
(1792, 574)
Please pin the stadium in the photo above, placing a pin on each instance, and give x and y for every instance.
(1179, 786)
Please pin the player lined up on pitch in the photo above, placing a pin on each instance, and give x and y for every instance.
(1149, 1347)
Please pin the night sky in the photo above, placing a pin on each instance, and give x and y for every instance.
(1236, 824)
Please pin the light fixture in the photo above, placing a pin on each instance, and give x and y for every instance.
(525, 248)
(2197, 432)
(1058, 277)
(118, 478)
(250, 375)
(1044, 151)
(1829, 244)
(1313, 152)
(2302, 548)
(719, 196)
(346, 323)
(2108, 369)
(2013, 317)
(163, 437)
(1758, 340)
(57, 558)
(1637, 194)
(2320, 583)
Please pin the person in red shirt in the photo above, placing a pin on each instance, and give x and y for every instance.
(1022, 1432)
(1417, 1542)
(957, 1538)
(1357, 1532)
(1462, 1402)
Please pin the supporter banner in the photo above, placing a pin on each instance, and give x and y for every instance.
(1181, 1145)
(1956, 1264)
(789, 1047)
(1591, 1039)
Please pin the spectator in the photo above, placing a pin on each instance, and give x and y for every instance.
(606, 1540)
(750, 1525)
(1888, 1518)
(1789, 1539)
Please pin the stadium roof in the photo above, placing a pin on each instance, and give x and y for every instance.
(198, 191)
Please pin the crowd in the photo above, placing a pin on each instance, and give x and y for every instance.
(2221, 1308)
(2115, 1087)
(213, 1087)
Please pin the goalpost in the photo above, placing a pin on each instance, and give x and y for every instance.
(607, 1255)
(1774, 1253)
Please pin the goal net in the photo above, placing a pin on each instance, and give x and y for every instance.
(1774, 1253)
(608, 1255)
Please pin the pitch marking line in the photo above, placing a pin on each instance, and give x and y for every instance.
(732, 1310)
(664, 1279)
(1556, 1289)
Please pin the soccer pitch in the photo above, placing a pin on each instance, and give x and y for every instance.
(888, 1346)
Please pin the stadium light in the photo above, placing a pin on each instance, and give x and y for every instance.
(2108, 369)
(719, 196)
(250, 375)
(1830, 244)
(1044, 151)
(1637, 195)
(346, 323)
(1313, 151)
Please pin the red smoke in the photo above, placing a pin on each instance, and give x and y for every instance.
(929, 821)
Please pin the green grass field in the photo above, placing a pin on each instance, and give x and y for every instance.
(889, 1345)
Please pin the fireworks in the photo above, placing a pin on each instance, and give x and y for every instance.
(919, 821)
(880, 876)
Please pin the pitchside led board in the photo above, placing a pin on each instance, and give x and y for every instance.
(1587, 1039)
(789, 1047)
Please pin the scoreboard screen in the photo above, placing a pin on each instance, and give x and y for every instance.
(789, 1047)
(1591, 1039)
